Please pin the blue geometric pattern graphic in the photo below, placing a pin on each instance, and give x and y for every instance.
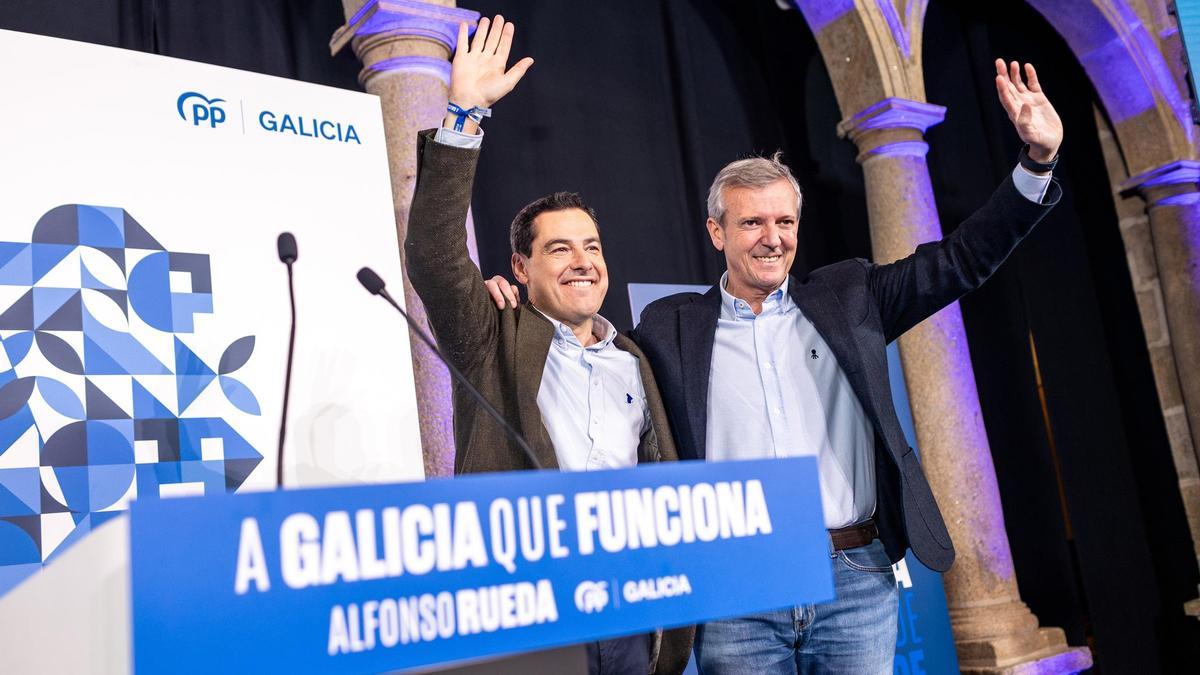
(104, 397)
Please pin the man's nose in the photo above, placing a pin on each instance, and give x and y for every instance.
(580, 261)
(772, 235)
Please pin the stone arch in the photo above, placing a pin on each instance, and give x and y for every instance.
(1143, 98)
(1127, 49)
(871, 48)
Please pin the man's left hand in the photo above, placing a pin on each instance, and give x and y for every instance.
(478, 75)
(1029, 110)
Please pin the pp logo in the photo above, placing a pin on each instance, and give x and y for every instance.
(591, 596)
(198, 108)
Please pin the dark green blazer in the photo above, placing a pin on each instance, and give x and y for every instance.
(501, 351)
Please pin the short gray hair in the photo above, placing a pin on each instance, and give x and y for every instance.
(752, 172)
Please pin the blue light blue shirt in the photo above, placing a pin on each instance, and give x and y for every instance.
(457, 138)
(592, 400)
(778, 364)
(1031, 185)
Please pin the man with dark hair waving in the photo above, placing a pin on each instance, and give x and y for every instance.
(580, 393)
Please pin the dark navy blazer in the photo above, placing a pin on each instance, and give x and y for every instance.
(858, 307)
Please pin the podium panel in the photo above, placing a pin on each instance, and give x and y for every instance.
(73, 615)
(374, 578)
(440, 576)
(74, 619)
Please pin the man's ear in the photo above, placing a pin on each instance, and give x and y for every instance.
(716, 233)
(518, 268)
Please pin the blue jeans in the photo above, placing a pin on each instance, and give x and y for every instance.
(855, 633)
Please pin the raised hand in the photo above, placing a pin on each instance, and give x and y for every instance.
(477, 75)
(503, 292)
(1029, 110)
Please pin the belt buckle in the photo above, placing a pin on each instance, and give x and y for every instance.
(858, 534)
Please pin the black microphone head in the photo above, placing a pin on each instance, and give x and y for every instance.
(370, 280)
(287, 247)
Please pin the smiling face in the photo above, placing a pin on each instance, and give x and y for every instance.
(758, 236)
(565, 272)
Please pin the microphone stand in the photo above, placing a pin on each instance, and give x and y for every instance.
(373, 283)
(288, 255)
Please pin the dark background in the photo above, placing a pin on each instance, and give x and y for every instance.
(637, 103)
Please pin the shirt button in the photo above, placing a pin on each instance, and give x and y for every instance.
(777, 411)
(767, 365)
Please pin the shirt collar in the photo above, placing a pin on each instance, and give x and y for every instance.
(601, 329)
(737, 309)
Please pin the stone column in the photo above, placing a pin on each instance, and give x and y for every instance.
(1172, 196)
(1147, 287)
(994, 631)
(405, 46)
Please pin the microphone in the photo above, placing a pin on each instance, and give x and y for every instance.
(287, 248)
(371, 281)
(286, 245)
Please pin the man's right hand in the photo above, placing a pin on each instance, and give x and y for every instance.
(503, 292)
(477, 74)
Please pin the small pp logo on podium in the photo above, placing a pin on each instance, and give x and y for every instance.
(591, 596)
(199, 109)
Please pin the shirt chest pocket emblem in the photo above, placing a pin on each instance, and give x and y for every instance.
(629, 399)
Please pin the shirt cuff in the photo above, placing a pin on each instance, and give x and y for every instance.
(458, 139)
(1032, 186)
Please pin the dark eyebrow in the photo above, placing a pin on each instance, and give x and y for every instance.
(552, 242)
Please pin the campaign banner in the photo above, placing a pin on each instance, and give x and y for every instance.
(384, 577)
(144, 312)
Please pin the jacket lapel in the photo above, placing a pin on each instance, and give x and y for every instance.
(534, 334)
(697, 332)
(822, 307)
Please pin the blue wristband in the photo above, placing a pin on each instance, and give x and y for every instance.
(461, 114)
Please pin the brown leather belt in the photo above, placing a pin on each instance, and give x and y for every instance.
(859, 534)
